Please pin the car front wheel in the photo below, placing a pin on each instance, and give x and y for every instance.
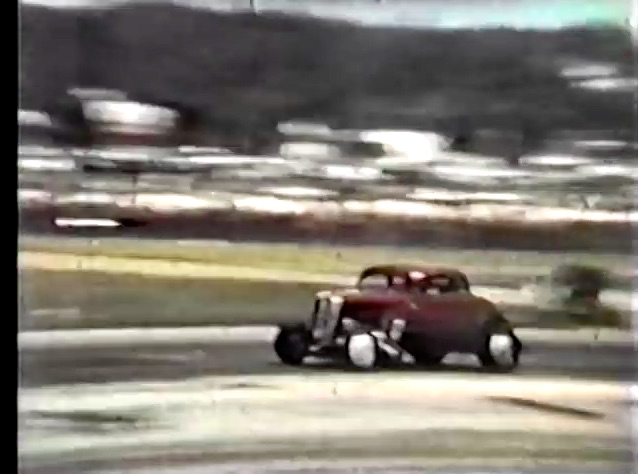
(362, 351)
(291, 344)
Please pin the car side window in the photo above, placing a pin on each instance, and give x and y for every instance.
(374, 282)
(438, 285)
(399, 283)
(425, 287)
(449, 285)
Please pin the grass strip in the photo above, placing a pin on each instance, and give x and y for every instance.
(104, 300)
(322, 259)
(53, 299)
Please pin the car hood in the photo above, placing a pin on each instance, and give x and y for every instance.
(363, 297)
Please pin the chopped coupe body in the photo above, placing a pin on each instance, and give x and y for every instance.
(402, 313)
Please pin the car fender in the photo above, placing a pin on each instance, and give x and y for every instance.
(481, 312)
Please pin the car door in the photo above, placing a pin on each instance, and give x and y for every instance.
(447, 312)
(439, 315)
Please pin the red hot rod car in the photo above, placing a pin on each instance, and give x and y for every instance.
(406, 314)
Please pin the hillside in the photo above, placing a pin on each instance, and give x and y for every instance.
(253, 70)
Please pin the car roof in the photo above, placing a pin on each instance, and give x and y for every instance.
(405, 270)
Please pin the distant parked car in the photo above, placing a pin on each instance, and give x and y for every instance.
(404, 314)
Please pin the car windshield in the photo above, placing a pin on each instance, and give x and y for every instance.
(438, 284)
(382, 281)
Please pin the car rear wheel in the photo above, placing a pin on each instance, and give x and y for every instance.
(362, 351)
(501, 349)
(291, 344)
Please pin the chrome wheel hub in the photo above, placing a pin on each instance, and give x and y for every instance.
(501, 347)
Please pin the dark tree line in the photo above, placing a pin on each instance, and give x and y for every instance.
(241, 74)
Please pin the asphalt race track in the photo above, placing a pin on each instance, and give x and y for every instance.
(182, 361)
(60, 385)
(58, 377)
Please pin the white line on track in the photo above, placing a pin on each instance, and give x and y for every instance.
(351, 466)
(81, 338)
(441, 389)
(144, 336)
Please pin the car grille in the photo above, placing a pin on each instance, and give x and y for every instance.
(326, 319)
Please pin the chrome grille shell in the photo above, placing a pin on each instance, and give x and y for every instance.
(326, 318)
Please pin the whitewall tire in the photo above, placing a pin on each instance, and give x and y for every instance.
(501, 352)
(362, 351)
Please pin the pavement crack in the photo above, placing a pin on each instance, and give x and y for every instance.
(96, 420)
